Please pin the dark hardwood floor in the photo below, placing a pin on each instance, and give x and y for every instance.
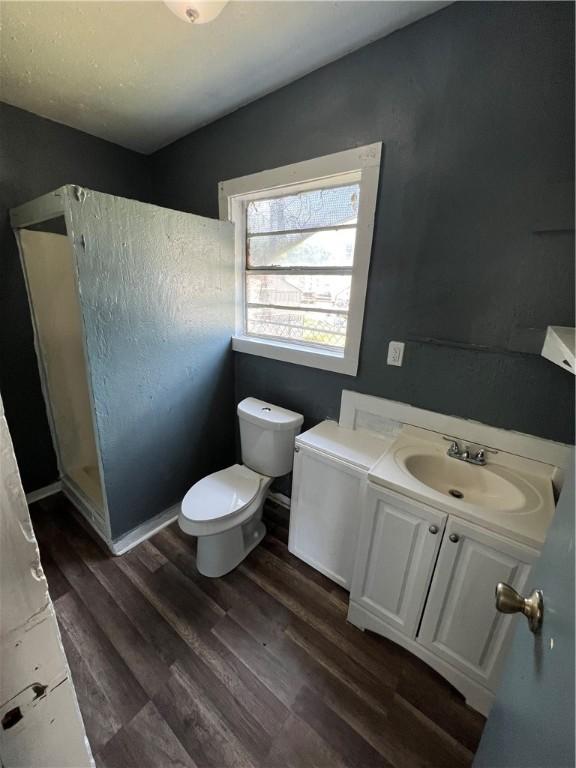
(257, 669)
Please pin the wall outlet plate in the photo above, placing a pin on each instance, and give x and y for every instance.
(395, 353)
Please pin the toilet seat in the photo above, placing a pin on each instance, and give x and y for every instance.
(221, 494)
(221, 499)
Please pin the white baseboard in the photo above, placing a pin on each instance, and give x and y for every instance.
(280, 498)
(144, 531)
(42, 493)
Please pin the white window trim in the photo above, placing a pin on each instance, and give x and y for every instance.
(361, 164)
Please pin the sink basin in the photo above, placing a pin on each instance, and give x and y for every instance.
(477, 485)
(509, 495)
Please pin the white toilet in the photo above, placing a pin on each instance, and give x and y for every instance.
(225, 509)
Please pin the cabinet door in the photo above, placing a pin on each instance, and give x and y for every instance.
(325, 513)
(460, 622)
(397, 547)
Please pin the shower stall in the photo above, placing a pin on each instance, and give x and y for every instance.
(133, 309)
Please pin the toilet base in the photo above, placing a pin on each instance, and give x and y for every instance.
(219, 554)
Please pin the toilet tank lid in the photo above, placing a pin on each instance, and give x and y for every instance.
(267, 415)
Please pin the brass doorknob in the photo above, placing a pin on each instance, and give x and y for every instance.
(509, 601)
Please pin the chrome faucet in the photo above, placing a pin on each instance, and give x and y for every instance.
(476, 456)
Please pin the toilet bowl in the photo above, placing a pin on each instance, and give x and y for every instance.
(224, 509)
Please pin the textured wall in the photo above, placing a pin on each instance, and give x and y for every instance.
(37, 156)
(475, 108)
(157, 298)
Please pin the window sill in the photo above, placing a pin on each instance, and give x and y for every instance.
(337, 362)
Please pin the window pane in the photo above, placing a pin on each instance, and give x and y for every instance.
(305, 210)
(330, 248)
(298, 326)
(306, 291)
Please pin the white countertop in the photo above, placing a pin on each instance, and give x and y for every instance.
(355, 446)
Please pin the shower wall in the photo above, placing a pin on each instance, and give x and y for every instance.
(156, 292)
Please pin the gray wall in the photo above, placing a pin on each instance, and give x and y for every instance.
(156, 291)
(36, 156)
(475, 108)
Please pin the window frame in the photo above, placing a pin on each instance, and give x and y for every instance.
(360, 165)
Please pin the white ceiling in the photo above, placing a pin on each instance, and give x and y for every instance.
(133, 73)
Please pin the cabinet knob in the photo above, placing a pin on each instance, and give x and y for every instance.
(433, 529)
(454, 537)
(296, 449)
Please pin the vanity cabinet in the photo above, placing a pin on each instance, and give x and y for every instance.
(460, 622)
(397, 548)
(325, 513)
(426, 580)
(331, 464)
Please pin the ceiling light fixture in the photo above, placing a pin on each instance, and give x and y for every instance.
(197, 12)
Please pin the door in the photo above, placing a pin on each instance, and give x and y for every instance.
(41, 722)
(397, 547)
(325, 514)
(460, 622)
(532, 720)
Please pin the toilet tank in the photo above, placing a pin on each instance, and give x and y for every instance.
(267, 434)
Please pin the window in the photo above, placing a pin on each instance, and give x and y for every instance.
(303, 235)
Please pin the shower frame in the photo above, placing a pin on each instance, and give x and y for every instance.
(48, 207)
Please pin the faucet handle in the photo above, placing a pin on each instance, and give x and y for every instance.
(480, 454)
(454, 447)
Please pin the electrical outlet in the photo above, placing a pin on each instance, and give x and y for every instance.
(395, 353)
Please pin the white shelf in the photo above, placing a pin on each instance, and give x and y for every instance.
(559, 347)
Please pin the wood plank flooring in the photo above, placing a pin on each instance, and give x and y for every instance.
(259, 669)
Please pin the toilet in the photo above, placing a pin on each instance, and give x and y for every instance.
(224, 509)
